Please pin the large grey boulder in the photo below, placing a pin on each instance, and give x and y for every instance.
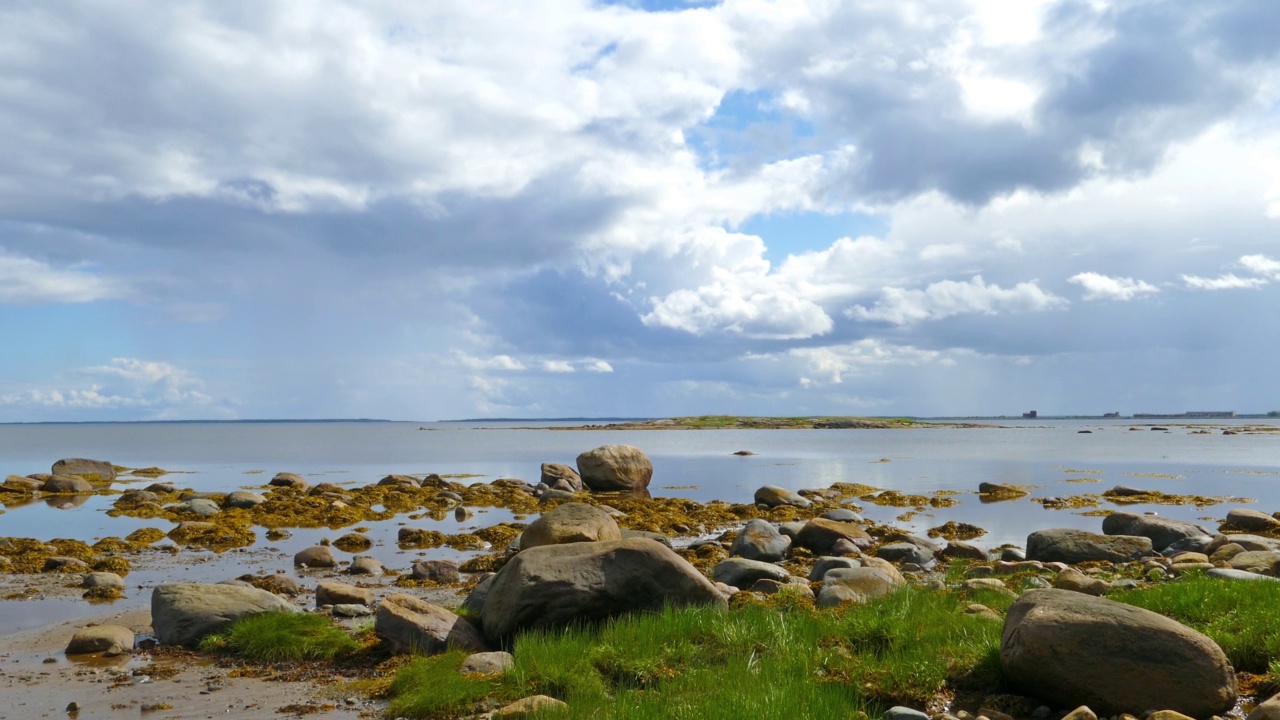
(774, 496)
(569, 523)
(1162, 532)
(556, 585)
(99, 471)
(243, 499)
(562, 477)
(904, 552)
(408, 624)
(289, 480)
(856, 585)
(336, 593)
(66, 485)
(827, 563)
(742, 573)
(183, 613)
(1070, 649)
(615, 467)
(1077, 546)
(760, 540)
(820, 535)
(1259, 561)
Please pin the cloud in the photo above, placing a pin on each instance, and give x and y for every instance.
(1262, 265)
(26, 281)
(164, 390)
(1230, 281)
(557, 366)
(497, 362)
(1102, 287)
(949, 297)
(830, 365)
(599, 366)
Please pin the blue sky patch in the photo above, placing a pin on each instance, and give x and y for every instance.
(793, 233)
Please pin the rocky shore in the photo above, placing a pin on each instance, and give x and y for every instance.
(590, 543)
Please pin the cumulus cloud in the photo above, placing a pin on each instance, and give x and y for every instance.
(164, 390)
(1230, 281)
(1262, 265)
(557, 366)
(497, 362)
(949, 297)
(830, 365)
(1102, 287)
(599, 366)
(27, 281)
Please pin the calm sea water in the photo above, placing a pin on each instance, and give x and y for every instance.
(694, 464)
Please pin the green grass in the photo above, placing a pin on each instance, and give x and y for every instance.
(282, 637)
(723, 421)
(1242, 617)
(755, 661)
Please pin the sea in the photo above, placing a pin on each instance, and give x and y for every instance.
(1052, 458)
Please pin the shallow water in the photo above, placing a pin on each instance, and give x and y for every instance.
(700, 465)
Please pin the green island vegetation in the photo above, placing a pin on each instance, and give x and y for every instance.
(744, 422)
(778, 657)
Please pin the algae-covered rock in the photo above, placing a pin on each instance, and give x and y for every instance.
(99, 471)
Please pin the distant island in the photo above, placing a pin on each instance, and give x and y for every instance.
(742, 422)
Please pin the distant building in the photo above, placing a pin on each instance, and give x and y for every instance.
(1111, 415)
(1030, 414)
(1274, 413)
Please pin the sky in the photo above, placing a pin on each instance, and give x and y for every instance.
(236, 209)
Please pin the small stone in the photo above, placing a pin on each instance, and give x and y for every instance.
(487, 663)
(1168, 715)
(318, 556)
(1081, 713)
(535, 704)
(899, 712)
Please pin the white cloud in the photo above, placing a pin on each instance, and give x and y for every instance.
(599, 366)
(166, 390)
(1102, 287)
(829, 365)
(947, 298)
(497, 362)
(1230, 281)
(556, 366)
(728, 306)
(1262, 265)
(26, 281)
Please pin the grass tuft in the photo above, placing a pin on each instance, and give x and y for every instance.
(282, 637)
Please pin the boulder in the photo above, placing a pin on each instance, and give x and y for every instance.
(473, 603)
(615, 467)
(400, 481)
(243, 499)
(279, 583)
(289, 480)
(109, 639)
(107, 580)
(1252, 520)
(827, 563)
(760, 540)
(200, 507)
(436, 571)
(64, 564)
(957, 550)
(904, 552)
(99, 471)
(656, 537)
(1260, 561)
(66, 485)
(774, 496)
(1266, 710)
(1077, 546)
(820, 535)
(364, 565)
(1162, 532)
(1232, 574)
(317, 556)
(562, 477)
(742, 573)
(856, 585)
(20, 485)
(335, 593)
(1071, 649)
(995, 492)
(1076, 581)
(557, 585)
(408, 624)
(487, 663)
(842, 515)
(1251, 542)
(570, 522)
(183, 613)
(534, 705)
